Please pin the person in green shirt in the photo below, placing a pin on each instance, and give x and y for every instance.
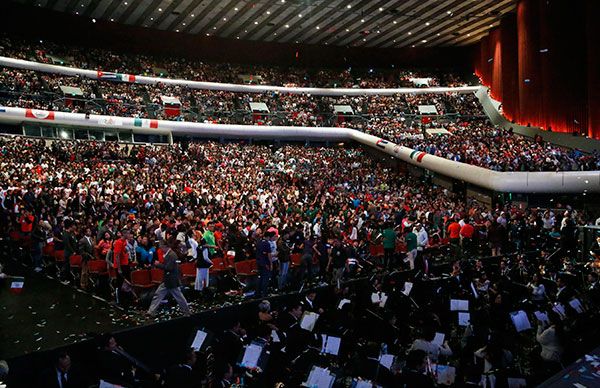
(389, 246)
(411, 247)
(209, 237)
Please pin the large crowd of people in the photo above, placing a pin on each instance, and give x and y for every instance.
(418, 286)
(153, 206)
(471, 139)
(194, 69)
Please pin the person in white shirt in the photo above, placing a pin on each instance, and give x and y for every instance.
(433, 350)
(422, 237)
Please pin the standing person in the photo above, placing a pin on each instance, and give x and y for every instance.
(171, 283)
(411, 248)
(454, 236)
(121, 264)
(337, 260)
(203, 263)
(466, 235)
(389, 246)
(86, 249)
(263, 263)
(38, 240)
(209, 237)
(283, 249)
(308, 251)
(70, 248)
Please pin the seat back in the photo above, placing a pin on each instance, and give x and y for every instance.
(59, 256)
(75, 260)
(97, 266)
(140, 277)
(187, 269)
(156, 275)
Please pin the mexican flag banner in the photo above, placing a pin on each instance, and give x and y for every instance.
(145, 123)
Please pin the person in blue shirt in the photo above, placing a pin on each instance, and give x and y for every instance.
(145, 252)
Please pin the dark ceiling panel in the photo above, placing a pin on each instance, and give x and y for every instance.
(369, 23)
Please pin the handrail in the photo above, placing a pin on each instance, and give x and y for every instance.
(517, 182)
(93, 74)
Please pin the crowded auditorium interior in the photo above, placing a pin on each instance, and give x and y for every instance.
(299, 193)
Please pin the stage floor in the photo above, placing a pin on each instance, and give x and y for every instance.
(48, 314)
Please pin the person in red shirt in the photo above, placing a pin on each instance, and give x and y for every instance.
(466, 234)
(454, 236)
(121, 265)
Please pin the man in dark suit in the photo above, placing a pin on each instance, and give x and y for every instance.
(171, 283)
(183, 375)
(61, 375)
(85, 247)
(308, 303)
(564, 292)
(113, 366)
(231, 343)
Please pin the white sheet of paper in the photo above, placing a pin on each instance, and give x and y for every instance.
(50, 240)
(520, 320)
(474, 291)
(105, 384)
(542, 317)
(383, 300)
(464, 319)
(576, 304)
(320, 377)
(343, 302)
(309, 320)
(407, 288)
(515, 382)
(446, 374)
(439, 339)
(251, 356)
(459, 305)
(275, 336)
(559, 309)
(387, 360)
(198, 340)
(331, 345)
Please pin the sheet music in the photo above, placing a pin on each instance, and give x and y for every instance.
(520, 320)
(576, 304)
(439, 339)
(474, 291)
(363, 384)
(464, 319)
(446, 374)
(459, 305)
(275, 336)
(542, 317)
(387, 360)
(379, 298)
(343, 302)
(198, 340)
(407, 288)
(331, 345)
(251, 356)
(514, 382)
(320, 378)
(309, 320)
(104, 384)
(559, 309)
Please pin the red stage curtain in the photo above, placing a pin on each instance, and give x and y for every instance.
(593, 67)
(542, 64)
(509, 67)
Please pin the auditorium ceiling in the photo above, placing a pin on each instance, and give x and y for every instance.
(366, 23)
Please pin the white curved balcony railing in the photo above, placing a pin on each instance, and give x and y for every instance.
(517, 182)
(93, 74)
